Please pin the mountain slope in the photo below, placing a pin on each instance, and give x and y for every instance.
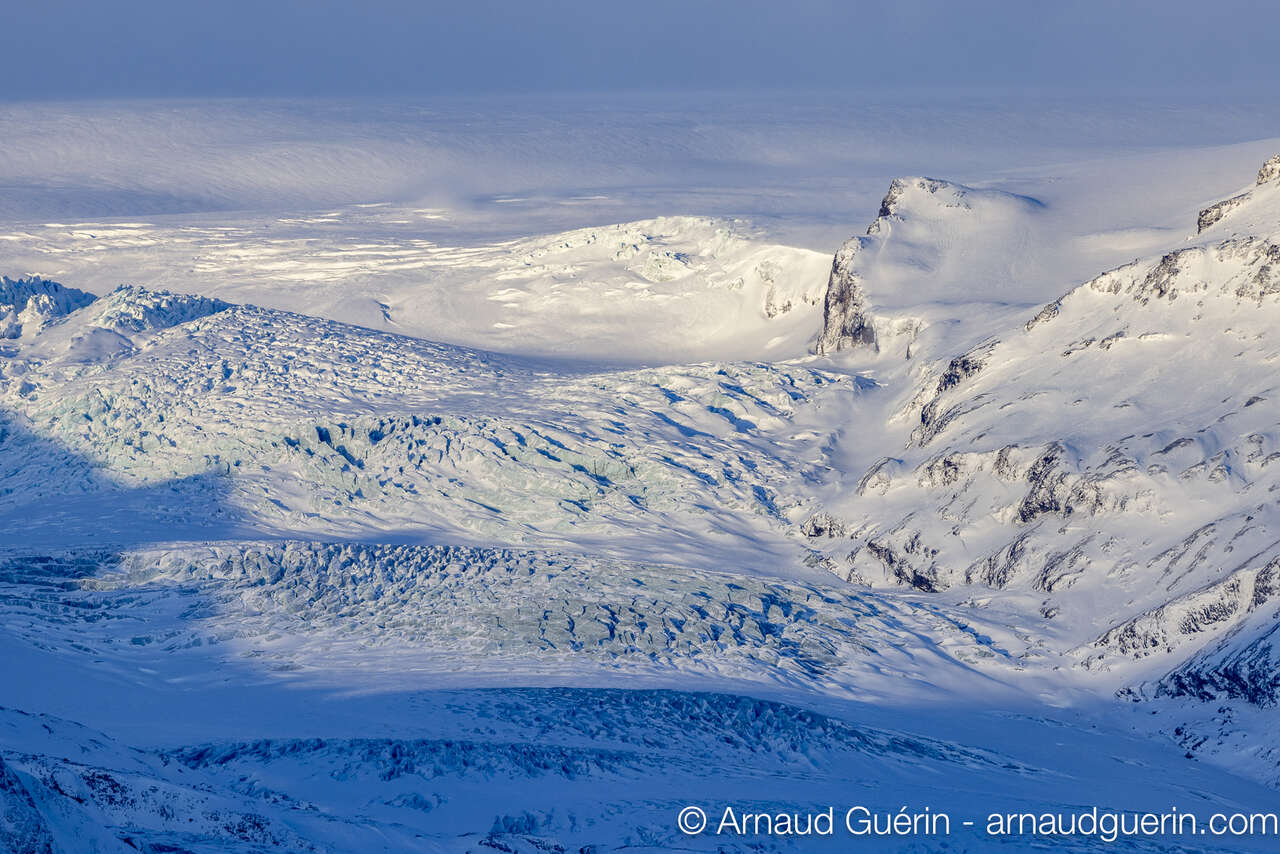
(1108, 467)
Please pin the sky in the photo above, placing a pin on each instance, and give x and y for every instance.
(85, 49)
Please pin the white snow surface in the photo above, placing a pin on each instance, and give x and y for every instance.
(374, 512)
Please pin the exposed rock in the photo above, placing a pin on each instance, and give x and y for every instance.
(1250, 672)
(1215, 212)
(998, 569)
(1061, 569)
(907, 560)
(1270, 170)
(1245, 663)
(1212, 610)
(1254, 265)
(876, 478)
(823, 525)
(846, 317)
(929, 241)
(1049, 312)
(1047, 484)
(943, 470)
(933, 416)
(960, 369)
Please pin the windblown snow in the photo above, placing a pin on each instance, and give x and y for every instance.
(331, 533)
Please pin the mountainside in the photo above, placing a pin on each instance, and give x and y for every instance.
(1110, 466)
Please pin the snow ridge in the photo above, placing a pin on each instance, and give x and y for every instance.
(29, 303)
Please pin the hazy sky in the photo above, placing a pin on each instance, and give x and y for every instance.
(127, 48)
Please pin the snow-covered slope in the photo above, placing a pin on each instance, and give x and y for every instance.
(665, 290)
(1109, 466)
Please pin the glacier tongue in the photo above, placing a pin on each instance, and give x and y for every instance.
(288, 423)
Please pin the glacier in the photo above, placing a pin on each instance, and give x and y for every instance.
(412, 524)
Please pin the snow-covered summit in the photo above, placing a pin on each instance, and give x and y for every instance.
(934, 200)
(934, 245)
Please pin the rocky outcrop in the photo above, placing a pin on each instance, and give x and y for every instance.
(1213, 214)
(1250, 265)
(1248, 671)
(929, 240)
(1211, 611)
(1270, 171)
(823, 525)
(934, 415)
(846, 316)
(1244, 664)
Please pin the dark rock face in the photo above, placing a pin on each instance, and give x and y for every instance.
(1250, 673)
(959, 370)
(846, 317)
(935, 415)
(1214, 213)
(823, 525)
(911, 563)
(1046, 483)
(1245, 663)
(889, 204)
